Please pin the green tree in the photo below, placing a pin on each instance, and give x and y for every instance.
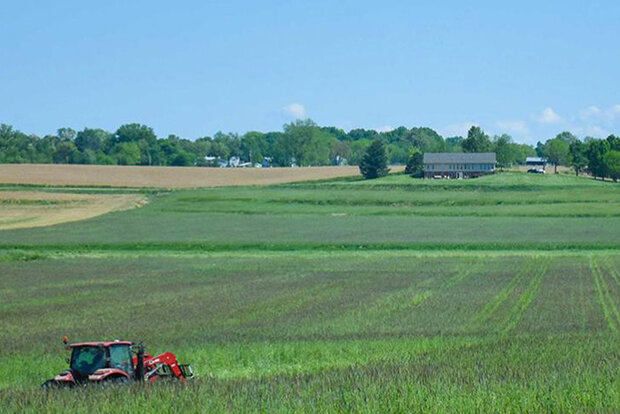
(505, 150)
(105, 159)
(92, 139)
(540, 149)
(144, 136)
(182, 159)
(398, 154)
(612, 164)
(595, 152)
(374, 162)
(454, 144)
(134, 133)
(127, 153)
(415, 164)
(253, 146)
(476, 141)
(578, 158)
(305, 143)
(65, 152)
(66, 134)
(614, 142)
(358, 149)
(557, 152)
(567, 137)
(426, 140)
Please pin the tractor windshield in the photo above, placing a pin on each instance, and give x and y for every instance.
(121, 358)
(88, 359)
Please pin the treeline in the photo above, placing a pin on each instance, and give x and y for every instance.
(301, 143)
(598, 157)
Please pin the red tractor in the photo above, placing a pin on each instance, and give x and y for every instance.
(114, 362)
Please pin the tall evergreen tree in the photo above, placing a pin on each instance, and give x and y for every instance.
(374, 162)
(415, 164)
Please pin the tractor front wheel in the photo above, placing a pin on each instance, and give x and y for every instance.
(53, 385)
(114, 381)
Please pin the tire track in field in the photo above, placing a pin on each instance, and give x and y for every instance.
(526, 298)
(612, 271)
(607, 303)
(413, 296)
(423, 296)
(390, 305)
(491, 307)
(461, 276)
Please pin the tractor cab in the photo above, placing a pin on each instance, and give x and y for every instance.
(88, 358)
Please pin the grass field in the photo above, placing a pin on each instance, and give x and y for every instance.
(392, 295)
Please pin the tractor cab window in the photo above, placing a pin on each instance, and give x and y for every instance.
(121, 358)
(88, 359)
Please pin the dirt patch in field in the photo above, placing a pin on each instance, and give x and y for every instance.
(163, 177)
(21, 209)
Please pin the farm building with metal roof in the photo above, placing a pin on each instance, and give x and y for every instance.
(458, 164)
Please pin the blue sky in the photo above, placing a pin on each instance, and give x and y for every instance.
(531, 69)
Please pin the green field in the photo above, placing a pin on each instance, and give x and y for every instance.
(395, 295)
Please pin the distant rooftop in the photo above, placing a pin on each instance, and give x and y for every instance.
(535, 159)
(459, 157)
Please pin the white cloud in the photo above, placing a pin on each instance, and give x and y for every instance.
(590, 112)
(595, 131)
(513, 127)
(295, 110)
(456, 129)
(606, 115)
(589, 131)
(386, 128)
(549, 116)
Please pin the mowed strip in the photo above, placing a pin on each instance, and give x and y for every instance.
(612, 316)
(23, 209)
(163, 177)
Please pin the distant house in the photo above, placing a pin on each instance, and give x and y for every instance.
(458, 164)
(536, 161)
(340, 161)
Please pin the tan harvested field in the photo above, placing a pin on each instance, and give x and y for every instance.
(549, 169)
(21, 209)
(163, 177)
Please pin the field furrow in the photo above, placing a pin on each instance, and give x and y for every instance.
(492, 307)
(526, 299)
(607, 303)
(612, 271)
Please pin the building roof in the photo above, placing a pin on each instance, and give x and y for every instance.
(459, 157)
(535, 159)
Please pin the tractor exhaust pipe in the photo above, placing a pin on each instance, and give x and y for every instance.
(140, 363)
